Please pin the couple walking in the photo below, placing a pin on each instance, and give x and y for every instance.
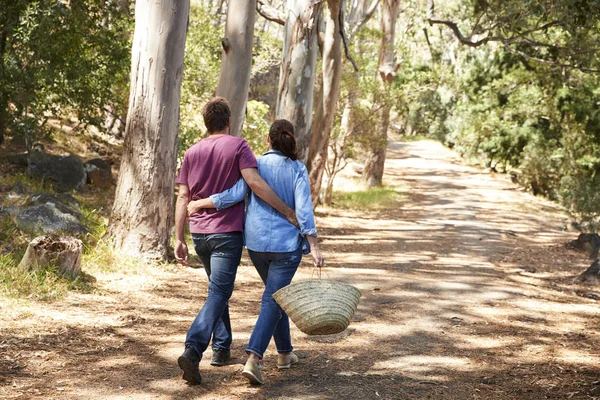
(279, 227)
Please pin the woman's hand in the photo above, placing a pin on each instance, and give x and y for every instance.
(196, 205)
(315, 251)
(317, 256)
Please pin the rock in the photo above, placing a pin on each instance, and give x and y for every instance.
(64, 202)
(48, 219)
(13, 211)
(591, 276)
(99, 173)
(65, 172)
(20, 160)
(63, 253)
(589, 242)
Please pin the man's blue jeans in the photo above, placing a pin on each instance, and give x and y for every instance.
(220, 253)
(276, 270)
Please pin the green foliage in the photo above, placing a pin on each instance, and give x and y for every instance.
(202, 63)
(498, 106)
(60, 58)
(256, 126)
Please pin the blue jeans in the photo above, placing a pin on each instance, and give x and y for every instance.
(276, 271)
(220, 253)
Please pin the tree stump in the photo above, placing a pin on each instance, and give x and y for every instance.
(64, 253)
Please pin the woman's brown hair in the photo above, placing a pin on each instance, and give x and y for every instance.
(282, 138)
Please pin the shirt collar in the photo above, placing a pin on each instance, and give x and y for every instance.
(275, 151)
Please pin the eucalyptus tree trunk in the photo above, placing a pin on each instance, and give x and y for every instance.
(324, 118)
(298, 68)
(142, 213)
(236, 62)
(375, 158)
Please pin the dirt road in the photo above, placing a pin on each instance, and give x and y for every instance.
(467, 290)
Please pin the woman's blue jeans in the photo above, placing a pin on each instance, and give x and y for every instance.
(276, 271)
(220, 253)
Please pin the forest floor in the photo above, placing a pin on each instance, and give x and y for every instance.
(467, 293)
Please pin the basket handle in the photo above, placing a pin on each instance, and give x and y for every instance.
(319, 270)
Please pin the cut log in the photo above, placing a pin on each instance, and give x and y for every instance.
(64, 253)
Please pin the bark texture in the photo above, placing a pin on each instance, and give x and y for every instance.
(375, 158)
(236, 62)
(298, 68)
(325, 114)
(142, 213)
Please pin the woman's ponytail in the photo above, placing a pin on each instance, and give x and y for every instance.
(282, 138)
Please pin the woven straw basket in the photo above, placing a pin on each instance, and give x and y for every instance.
(319, 307)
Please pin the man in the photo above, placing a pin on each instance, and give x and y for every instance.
(211, 166)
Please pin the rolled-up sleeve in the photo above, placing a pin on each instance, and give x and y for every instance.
(230, 196)
(303, 202)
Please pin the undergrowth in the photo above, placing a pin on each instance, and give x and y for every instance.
(368, 199)
(48, 284)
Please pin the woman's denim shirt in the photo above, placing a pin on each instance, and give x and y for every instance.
(267, 230)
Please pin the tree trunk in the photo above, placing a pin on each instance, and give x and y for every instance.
(3, 97)
(375, 158)
(142, 213)
(324, 118)
(236, 63)
(298, 67)
(62, 253)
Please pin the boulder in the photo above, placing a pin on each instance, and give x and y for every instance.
(591, 276)
(98, 173)
(20, 160)
(64, 202)
(13, 211)
(65, 172)
(63, 253)
(589, 242)
(48, 219)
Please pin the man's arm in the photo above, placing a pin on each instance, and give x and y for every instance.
(264, 191)
(183, 198)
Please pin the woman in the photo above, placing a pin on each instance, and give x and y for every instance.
(275, 245)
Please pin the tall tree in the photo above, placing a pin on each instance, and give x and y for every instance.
(325, 113)
(375, 158)
(237, 59)
(141, 216)
(298, 69)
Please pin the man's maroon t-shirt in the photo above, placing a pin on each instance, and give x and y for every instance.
(211, 166)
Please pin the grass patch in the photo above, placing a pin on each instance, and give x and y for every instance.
(27, 183)
(42, 285)
(370, 199)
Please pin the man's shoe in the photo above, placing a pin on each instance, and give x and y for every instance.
(252, 373)
(189, 362)
(220, 357)
(285, 361)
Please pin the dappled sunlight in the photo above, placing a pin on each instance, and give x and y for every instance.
(424, 365)
(450, 303)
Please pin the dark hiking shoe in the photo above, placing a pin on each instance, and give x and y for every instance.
(189, 362)
(220, 357)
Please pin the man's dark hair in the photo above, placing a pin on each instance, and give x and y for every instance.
(216, 114)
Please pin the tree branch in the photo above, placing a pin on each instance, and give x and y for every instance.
(345, 41)
(547, 62)
(361, 20)
(461, 38)
(270, 13)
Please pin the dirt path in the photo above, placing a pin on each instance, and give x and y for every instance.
(467, 294)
